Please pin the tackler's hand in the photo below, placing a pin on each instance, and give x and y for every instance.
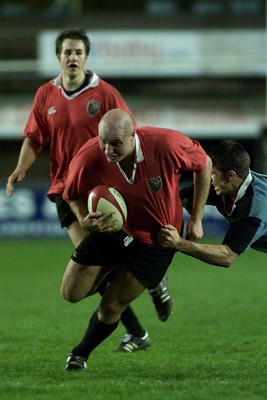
(168, 236)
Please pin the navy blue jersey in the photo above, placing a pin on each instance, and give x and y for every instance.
(248, 217)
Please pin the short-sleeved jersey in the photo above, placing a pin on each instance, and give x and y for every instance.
(248, 220)
(152, 197)
(67, 122)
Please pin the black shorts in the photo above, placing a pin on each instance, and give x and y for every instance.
(148, 264)
(65, 215)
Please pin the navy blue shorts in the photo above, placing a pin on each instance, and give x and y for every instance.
(148, 264)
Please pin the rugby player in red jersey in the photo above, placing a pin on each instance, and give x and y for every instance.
(144, 164)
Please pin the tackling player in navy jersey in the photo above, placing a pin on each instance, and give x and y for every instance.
(240, 195)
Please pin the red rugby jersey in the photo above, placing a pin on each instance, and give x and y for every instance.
(153, 198)
(67, 122)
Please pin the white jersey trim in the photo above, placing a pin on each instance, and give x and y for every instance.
(94, 82)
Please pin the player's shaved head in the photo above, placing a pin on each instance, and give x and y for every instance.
(116, 120)
(117, 136)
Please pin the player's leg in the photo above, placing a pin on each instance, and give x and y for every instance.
(136, 337)
(145, 266)
(80, 281)
(123, 288)
(134, 330)
(160, 294)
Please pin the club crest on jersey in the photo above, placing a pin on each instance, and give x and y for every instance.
(155, 184)
(93, 107)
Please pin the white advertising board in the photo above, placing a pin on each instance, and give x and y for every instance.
(166, 53)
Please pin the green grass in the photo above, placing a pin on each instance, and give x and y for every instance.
(212, 347)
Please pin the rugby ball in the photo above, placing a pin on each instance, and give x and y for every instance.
(104, 198)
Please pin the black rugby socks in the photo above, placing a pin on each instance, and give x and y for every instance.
(96, 332)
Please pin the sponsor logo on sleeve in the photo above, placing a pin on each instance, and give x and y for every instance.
(51, 110)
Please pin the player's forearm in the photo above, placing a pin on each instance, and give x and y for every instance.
(219, 255)
(30, 150)
(201, 191)
(79, 208)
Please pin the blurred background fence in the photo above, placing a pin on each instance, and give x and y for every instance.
(198, 66)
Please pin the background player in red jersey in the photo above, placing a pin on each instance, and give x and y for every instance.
(65, 113)
(144, 164)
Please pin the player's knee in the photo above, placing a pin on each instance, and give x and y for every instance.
(69, 295)
(110, 311)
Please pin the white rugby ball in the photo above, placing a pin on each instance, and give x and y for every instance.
(104, 198)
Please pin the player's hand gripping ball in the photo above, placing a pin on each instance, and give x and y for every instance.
(104, 198)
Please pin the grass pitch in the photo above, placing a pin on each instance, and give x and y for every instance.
(212, 347)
